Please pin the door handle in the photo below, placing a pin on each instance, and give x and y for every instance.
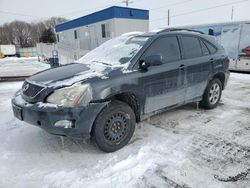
(182, 67)
(211, 60)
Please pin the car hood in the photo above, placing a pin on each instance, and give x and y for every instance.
(72, 73)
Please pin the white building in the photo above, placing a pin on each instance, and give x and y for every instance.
(76, 37)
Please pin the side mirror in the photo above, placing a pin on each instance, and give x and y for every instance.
(153, 60)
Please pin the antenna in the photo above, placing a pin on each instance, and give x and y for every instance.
(127, 2)
(232, 14)
(168, 17)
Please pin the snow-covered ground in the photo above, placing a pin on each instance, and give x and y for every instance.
(13, 66)
(181, 148)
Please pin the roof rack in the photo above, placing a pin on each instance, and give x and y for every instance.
(179, 29)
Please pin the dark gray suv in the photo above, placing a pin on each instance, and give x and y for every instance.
(124, 81)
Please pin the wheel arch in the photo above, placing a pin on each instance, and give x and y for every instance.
(221, 76)
(130, 99)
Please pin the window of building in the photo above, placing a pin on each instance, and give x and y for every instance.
(191, 47)
(105, 30)
(75, 34)
(167, 47)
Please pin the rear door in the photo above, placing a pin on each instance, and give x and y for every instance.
(198, 66)
(163, 86)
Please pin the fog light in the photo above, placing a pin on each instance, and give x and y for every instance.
(65, 124)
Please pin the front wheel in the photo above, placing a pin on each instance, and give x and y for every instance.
(114, 126)
(212, 94)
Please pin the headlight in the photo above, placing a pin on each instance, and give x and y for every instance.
(71, 96)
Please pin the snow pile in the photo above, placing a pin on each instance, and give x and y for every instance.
(13, 66)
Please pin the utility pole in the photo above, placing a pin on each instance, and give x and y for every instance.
(232, 14)
(127, 2)
(168, 17)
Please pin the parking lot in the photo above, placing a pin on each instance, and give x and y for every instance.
(185, 147)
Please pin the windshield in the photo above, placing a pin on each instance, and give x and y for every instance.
(118, 51)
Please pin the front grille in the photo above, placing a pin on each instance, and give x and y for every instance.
(31, 90)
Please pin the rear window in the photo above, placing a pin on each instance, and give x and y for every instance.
(204, 48)
(191, 46)
(211, 48)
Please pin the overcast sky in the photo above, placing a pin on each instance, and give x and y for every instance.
(183, 12)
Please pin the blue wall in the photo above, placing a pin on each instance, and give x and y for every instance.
(109, 13)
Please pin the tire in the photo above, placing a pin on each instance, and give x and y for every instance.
(114, 126)
(212, 94)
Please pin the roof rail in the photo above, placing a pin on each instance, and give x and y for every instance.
(179, 29)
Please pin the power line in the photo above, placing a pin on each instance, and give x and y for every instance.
(18, 14)
(209, 8)
(94, 8)
(203, 9)
(128, 1)
(171, 4)
(125, 1)
(82, 10)
(98, 7)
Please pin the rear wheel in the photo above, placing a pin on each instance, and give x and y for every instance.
(212, 94)
(114, 126)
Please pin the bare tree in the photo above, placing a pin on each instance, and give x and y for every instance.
(53, 21)
(25, 34)
(21, 33)
(5, 35)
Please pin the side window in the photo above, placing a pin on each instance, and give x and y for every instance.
(211, 48)
(103, 31)
(204, 48)
(191, 46)
(168, 47)
(75, 34)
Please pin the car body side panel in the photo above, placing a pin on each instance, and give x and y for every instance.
(162, 86)
(197, 75)
(219, 62)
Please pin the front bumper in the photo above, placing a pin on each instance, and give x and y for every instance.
(46, 115)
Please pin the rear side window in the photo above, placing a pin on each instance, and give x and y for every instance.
(191, 46)
(168, 47)
(211, 48)
(204, 48)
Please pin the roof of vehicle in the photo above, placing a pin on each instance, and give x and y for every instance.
(181, 31)
(172, 30)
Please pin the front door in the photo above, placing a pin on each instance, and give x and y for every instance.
(163, 85)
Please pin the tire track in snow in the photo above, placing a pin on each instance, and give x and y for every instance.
(222, 156)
